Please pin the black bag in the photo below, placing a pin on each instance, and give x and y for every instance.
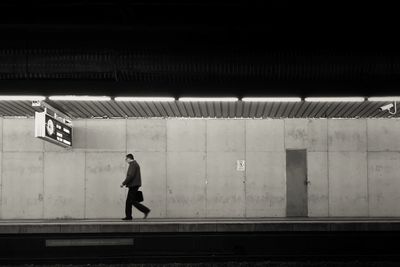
(138, 196)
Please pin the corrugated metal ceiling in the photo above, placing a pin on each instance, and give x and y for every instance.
(238, 109)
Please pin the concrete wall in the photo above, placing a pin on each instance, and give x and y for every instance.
(189, 167)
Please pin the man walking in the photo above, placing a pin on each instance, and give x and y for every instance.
(133, 181)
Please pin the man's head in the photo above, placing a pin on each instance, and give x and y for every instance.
(129, 158)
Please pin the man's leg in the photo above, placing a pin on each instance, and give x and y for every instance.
(141, 207)
(128, 203)
(138, 205)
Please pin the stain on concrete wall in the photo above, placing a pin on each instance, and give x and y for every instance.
(186, 184)
(18, 135)
(106, 135)
(296, 133)
(317, 135)
(265, 135)
(64, 187)
(347, 135)
(225, 185)
(383, 135)
(22, 180)
(265, 184)
(348, 184)
(153, 168)
(146, 135)
(318, 187)
(103, 196)
(384, 183)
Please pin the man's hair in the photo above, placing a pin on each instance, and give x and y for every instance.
(130, 156)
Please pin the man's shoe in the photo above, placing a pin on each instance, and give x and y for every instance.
(127, 219)
(145, 215)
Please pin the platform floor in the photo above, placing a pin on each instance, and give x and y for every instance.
(152, 225)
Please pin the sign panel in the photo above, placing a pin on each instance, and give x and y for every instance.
(50, 129)
(240, 165)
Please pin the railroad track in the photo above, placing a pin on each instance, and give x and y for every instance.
(198, 247)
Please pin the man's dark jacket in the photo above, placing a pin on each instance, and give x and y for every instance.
(133, 177)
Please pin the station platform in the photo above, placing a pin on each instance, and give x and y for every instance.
(179, 240)
(213, 225)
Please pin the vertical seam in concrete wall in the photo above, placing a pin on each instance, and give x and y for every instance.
(166, 168)
(366, 129)
(84, 174)
(206, 176)
(1, 173)
(245, 171)
(327, 165)
(284, 156)
(43, 193)
(126, 136)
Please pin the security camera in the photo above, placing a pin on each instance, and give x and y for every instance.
(386, 107)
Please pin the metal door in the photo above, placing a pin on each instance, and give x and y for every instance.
(296, 183)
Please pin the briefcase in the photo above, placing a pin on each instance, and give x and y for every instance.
(139, 196)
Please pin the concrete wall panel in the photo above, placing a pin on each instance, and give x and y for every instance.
(186, 135)
(1, 134)
(265, 184)
(104, 174)
(1, 184)
(225, 187)
(186, 184)
(383, 135)
(318, 135)
(106, 135)
(225, 135)
(64, 187)
(264, 135)
(348, 184)
(384, 183)
(154, 183)
(347, 135)
(318, 193)
(22, 196)
(19, 135)
(296, 133)
(146, 135)
(79, 134)
(50, 147)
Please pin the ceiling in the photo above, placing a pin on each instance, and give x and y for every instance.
(238, 109)
(199, 48)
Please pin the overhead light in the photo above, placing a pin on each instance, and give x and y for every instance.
(21, 98)
(384, 98)
(271, 99)
(79, 98)
(208, 99)
(334, 99)
(145, 99)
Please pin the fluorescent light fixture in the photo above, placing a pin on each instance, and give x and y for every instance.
(271, 99)
(384, 98)
(334, 99)
(79, 98)
(208, 99)
(22, 98)
(145, 99)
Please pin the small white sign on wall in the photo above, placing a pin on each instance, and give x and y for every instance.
(240, 165)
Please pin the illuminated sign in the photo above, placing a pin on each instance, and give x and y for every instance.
(50, 129)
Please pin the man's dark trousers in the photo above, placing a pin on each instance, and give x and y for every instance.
(130, 200)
